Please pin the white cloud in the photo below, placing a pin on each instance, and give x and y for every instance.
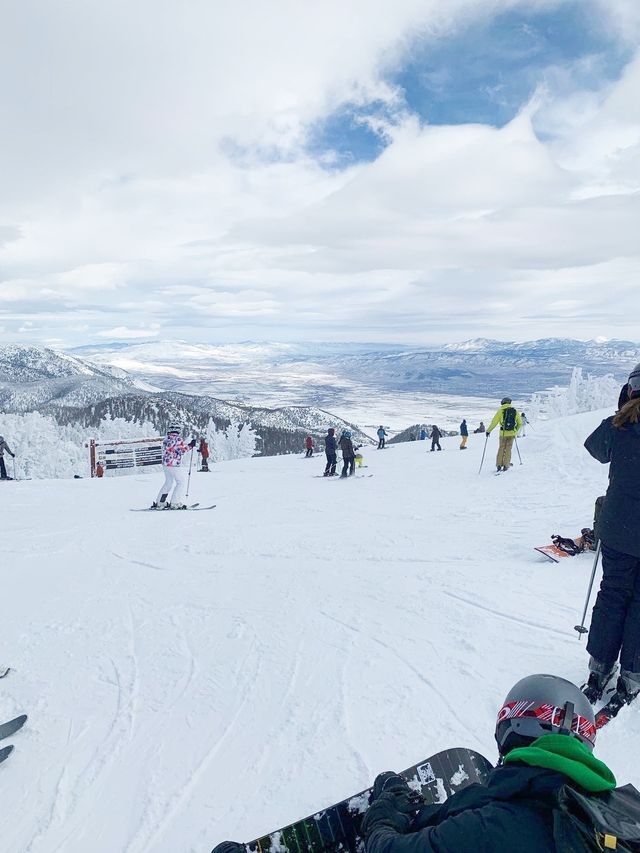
(124, 214)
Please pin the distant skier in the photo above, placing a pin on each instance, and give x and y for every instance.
(308, 443)
(382, 436)
(525, 421)
(545, 733)
(331, 452)
(348, 454)
(464, 434)
(4, 446)
(203, 450)
(423, 434)
(435, 438)
(615, 620)
(171, 495)
(481, 428)
(510, 424)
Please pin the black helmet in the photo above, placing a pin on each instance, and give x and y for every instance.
(505, 400)
(633, 386)
(541, 705)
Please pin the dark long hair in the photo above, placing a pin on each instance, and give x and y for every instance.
(628, 414)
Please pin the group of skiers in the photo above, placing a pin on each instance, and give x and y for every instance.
(548, 792)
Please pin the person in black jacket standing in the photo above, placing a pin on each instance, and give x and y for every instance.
(331, 452)
(615, 620)
(435, 437)
(464, 434)
(348, 454)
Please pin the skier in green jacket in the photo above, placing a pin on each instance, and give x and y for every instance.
(510, 424)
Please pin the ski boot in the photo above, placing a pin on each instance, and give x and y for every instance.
(622, 696)
(596, 684)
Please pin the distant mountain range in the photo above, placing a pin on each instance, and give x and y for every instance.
(77, 391)
(327, 375)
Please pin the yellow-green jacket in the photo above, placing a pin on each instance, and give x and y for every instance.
(497, 419)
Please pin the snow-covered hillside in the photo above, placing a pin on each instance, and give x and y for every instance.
(192, 677)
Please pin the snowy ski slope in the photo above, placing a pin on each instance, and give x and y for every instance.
(191, 677)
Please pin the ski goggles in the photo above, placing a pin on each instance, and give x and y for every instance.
(551, 715)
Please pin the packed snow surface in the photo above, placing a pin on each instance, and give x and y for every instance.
(191, 677)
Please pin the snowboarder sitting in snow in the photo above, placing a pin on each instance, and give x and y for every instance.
(510, 424)
(382, 437)
(175, 476)
(331, 452)
(481, 428)
(4, 446)
(435, 438)
(615, 621)
(348, 454)
(308, 443)
(545, 734)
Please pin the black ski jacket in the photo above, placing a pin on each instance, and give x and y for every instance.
(619, 523)
(513, 812)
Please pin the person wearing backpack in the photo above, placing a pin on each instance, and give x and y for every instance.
(510, 423)
(615, 620)
(548, 793)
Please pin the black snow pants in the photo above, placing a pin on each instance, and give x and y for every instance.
(332, 461)
(381, 442)
(435, 442)
(3, 470)
(309, 452)
(348, 465)
(615, 620)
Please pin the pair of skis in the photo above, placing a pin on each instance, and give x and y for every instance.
(6, 730)
(191, 507)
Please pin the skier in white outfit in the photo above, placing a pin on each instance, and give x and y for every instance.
(171, 495)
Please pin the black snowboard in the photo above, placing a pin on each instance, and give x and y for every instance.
(337, 828)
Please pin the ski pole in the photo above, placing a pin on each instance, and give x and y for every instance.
(14, 467)
(580, 628)
(483, 452)
(189, 475)
(518, 449)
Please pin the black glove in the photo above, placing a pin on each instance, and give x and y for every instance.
(192, 444)
(388, 810)
(229, 847)
(393, 804)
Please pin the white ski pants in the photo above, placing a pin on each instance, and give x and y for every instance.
(175, 479)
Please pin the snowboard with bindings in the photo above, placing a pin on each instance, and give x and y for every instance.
(337, 828)
(186, 509)
(561, 546)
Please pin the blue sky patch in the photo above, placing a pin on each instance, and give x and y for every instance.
(482, 73)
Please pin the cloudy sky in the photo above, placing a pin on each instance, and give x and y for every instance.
(376, 170)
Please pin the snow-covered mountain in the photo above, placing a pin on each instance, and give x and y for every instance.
(337, 374)
(75, 391)
(34, 377)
